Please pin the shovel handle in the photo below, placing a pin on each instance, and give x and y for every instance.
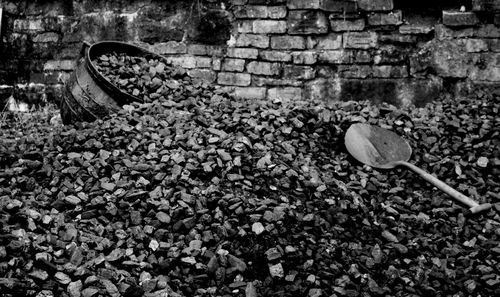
(473, 205)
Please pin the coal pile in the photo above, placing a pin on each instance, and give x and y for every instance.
(199, 194)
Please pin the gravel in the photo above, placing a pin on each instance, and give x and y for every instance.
(204, 195)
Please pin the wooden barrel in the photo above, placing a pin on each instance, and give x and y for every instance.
(88, 95)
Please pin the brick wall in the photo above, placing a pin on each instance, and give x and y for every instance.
(376, 50)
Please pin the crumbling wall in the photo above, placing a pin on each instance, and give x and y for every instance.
(378, 50)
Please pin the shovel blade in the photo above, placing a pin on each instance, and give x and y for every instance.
(376, 146)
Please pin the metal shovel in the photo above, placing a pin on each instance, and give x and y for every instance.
(381, 148)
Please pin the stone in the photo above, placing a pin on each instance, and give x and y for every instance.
(277, 271)
(307, 22)
(46, 37)
(288, 42)
(459, 19)
(390, 71)
(284, 94)
(361, 40)
(258, 228)
(269, 27)
(376, 5)
(252, 93)
(234, 79)
(237, 65)
(263, 68)
(299, 72)
(254, 40)
(485, 5)
(242, 53)
(278, 56)
(75, 289)
(273, 254)
(476, 45)
(394, 17)
(341, 25)
(486, 74)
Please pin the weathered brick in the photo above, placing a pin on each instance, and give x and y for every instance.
(486, 5)
(338, 6)
(335, 57)
(376, 5)
(487, 31)
(234, 79)
(270, 81)
(340, 25)
(288, 42)
(383, 18)
(442, 32)
(458, 18)
(394, 38)
(363, 40)
(263, 68)
(244, 26)
(203, 62)
(476, 45)
(197, 49)
(494, 45)
(269, 27)
(307, 22)
(254, 40)
(239, 2)
(46, 37)
(251, 11)
(55, 65)
(277, 56)
(354, 71)
(268, 2)
(203, 74)
(31, 25)
(233, 65)
(486, 74)
(284, 94)
(331, 41)
(251, 93)
(304, 4)
(305, 57)
(170, 47)
(276, 12)
(416, 29)
(242, 53)
(187, 62)
(390, 71)
(324, 89)
(361, 57)
(299, 72)
(215, 50)
(216, 64)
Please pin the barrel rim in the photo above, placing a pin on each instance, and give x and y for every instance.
(107, 46)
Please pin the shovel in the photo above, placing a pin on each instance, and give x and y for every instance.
(384, 149)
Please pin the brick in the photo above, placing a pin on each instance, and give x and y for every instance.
(324, 89)
(384, 19)
(304, 4)
(277, 12)
(398, 38)
(284, 94)
(459, 19)
(216, 64)
(277, 56)
(251, 93)
(242, 53)
(488, 31)
(203, 74)
(338, 6)
(496, 19)
(416, 29)
(251, 12)
(335, 57)
(442, 32)
(254, 40)
(486, 5)
(340, 25)
(361, 57)
(187, 62)
(244, 26)
(494, 45)
(307, 22)
(203, 62)
(215, 50)
(299, 72)
(486, 74)
(54, 65)
(288, 42)
(354, 71)
(390, 71)
(46, 37)
(239, 2)
(331, 41)
(476, 45)
(263, 68)
(376, 5)
(197, 49)
(237, 65)
(269, 27)
(234, 79)
(305, 57)
(362, 40)
(268, 2)
(270, 81)
(28, 25)
(170, 47)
